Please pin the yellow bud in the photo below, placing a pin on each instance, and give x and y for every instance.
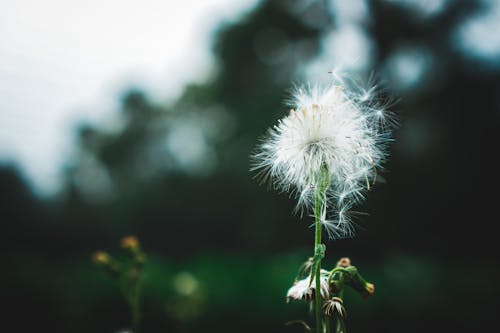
(101, 258)
(370, 290)
(130, 243)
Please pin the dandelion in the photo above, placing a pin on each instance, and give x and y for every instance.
(331, 133)
(326, 152)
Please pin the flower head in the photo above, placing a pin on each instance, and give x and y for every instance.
(331, 133)
(335, 305)
(305, 289)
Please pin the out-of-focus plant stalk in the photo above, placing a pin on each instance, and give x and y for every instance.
(128, 274)
(135, 309)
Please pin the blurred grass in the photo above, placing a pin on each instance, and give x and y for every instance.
(249, 292)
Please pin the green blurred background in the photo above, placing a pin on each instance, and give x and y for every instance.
(222, 250)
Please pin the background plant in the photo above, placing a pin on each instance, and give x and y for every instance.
(128, 274)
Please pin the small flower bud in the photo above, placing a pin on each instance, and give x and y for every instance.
(358, 283)
(130, 243)
(101, 258)
(344, 262)
(369, 290)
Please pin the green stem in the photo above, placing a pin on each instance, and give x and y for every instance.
(134, 303)
(319, 250)
(317, 242)
(333, 271)
(340, 326)
(339, 322)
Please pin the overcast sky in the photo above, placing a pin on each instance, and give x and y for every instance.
(63, 61)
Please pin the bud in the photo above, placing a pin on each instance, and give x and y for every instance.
(344, 262)
(358, 283)
(130, 243)
(369, 290)
(101, 258)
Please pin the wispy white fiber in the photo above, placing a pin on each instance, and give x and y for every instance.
(305, 289)
(341, 129)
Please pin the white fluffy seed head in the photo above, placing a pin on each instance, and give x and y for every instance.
(338, 130)
(305, 289)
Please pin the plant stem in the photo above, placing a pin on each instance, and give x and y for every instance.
(319, 199)
(134, 303)
(318, 299)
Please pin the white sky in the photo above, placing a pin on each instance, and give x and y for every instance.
(64, 61)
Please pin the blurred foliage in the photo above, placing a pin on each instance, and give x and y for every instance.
(177, 177)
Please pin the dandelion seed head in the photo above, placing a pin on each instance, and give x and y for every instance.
(339, 129)
(365, 97)
(305, 289)
(334, 305)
